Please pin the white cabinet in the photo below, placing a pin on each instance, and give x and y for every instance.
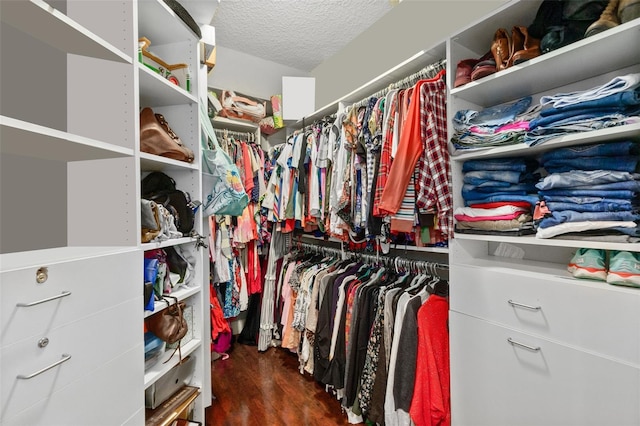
(530, 344)
(71, 345)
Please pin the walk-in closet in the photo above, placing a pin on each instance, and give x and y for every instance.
(376, 212)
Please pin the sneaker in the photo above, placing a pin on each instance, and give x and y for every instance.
(588, 263)
(624, 269)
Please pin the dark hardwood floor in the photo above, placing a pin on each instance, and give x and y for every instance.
(267, 389)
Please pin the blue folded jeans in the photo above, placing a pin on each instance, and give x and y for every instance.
(611, 149)
(481, 176)
(623, 164)
(626, 98)
(531, 199)
(577, 178)
(513, 164)
(584, 200)
(616, 194)
(559, 217)
(590, 207)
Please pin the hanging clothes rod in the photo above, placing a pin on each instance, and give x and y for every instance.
(396, 262)
(427, 72)
(225, 133)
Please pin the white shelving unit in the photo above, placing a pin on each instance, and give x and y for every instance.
(172, 40)
(71, 348)
(570, 347)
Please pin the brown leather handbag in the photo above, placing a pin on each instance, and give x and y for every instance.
(156, 137)
(169, 324)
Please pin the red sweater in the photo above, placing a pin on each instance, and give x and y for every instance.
(431, 403)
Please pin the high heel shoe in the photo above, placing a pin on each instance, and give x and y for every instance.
(530, 46)
(501, 49)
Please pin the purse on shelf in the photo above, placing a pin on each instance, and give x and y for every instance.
(240, 107)
(227, 195)
(151, 226)
(157, 138)
(169, 324)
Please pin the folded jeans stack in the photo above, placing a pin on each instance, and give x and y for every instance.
(612, 104)
(504, 124)
(499, 195)
(590, 188)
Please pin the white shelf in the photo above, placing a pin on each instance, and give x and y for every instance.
(550, 242)
(158, 91)
(168, 243)
(54, 28)
(156, 163)
(181, 293)
(235, 125)
(52, 144)
(160, 24)
(393, 75)
(589, 57)
(629, 131)
(160, 368)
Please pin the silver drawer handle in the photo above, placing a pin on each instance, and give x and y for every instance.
(48, 299)
(65, 358)
(520, 305)
(522, 345)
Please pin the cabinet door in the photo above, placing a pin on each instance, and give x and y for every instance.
(495, 382)
(594, 316)
(83, 287)
(81, 348)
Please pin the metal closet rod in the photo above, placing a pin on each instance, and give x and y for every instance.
(429, 71)
(396, 262)
(250, 137)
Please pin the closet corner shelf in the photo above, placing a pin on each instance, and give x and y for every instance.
(550, 70)
(52, 144)
(551, 242)
(629, 131)
(168, 243)
(158, 91)
(221, 123)
(161, 368)
(156, 163)
(181, 294)
(54, 28)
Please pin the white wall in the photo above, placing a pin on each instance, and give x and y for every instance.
(249, 74)
(412, 26)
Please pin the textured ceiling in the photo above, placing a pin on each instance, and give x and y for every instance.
(297, 33)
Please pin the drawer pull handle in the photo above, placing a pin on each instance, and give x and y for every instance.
(48, 299)
(65, 358)
(522, 345)
(521, 305)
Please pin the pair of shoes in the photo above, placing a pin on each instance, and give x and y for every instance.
(628, 10)
(623, 266)
(512, 50)
(474, 69)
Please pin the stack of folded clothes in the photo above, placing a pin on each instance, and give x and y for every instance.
(612, 104)
(499, 195)
(591, 192)
(504, 124)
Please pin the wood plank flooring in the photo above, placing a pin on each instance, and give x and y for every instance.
(267, 389)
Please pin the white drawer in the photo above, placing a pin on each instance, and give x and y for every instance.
(95, 283)
(103, 397)
(91, 342)
(597, 317)
(496, 383)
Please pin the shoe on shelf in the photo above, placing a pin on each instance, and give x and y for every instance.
(624, 269)
(608, 19)
(628, 10)
(463, 71)
(589, 264)
(501, 48)
(529, 49)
